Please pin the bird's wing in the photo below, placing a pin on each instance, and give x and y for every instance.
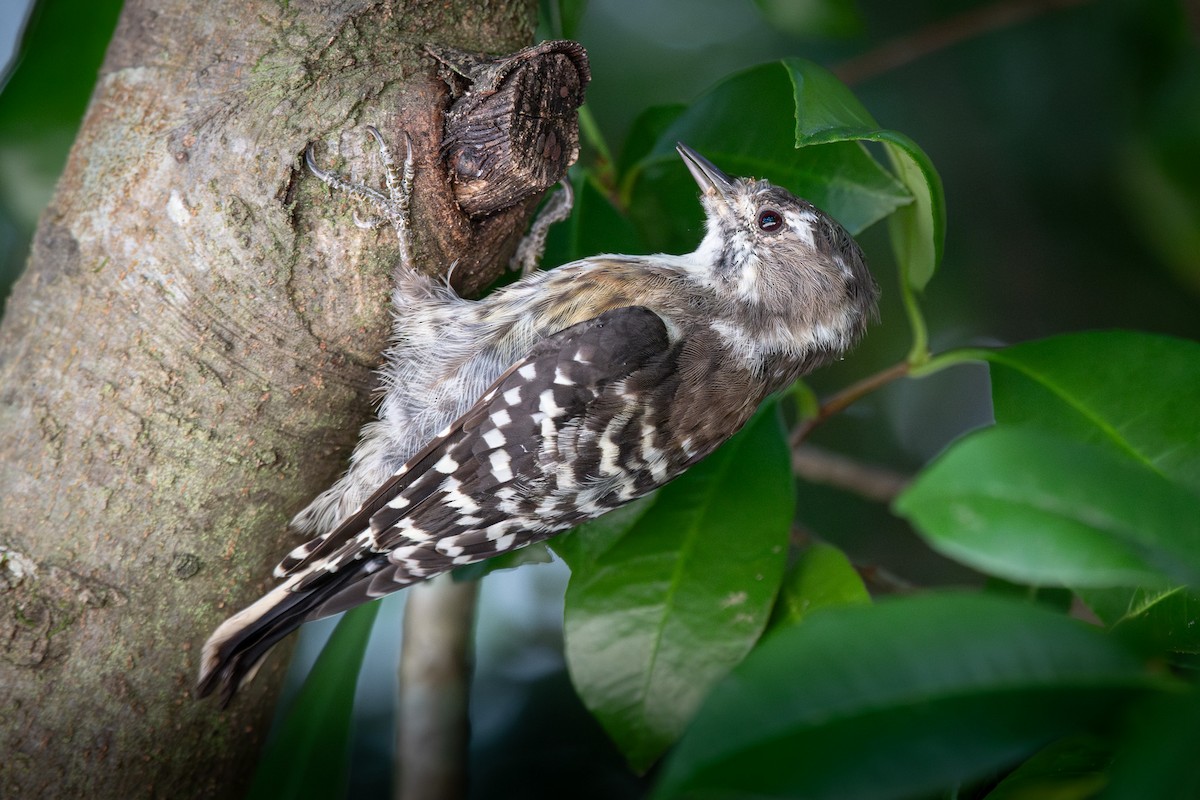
(500, 470)
(529, 458)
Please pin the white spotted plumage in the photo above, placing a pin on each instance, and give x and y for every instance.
(559, 397)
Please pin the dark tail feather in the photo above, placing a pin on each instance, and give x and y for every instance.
(236, 649)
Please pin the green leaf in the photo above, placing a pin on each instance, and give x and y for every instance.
(1134, 394)
(1038, 508)
(918, 231)
(588, 542)
(898, 699)
(1106, 495)
(662, 608)
(1160, 620)
(1071, 769)
(827, 111)
(309, 755)
(1157, 756)
(840, 177)
(821, 577)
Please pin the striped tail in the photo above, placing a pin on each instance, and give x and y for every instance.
(236, 649)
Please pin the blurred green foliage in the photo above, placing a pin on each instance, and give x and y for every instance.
(660, 608)
(909, 697)
(42, 101)
(319, 721)
(1066, 139)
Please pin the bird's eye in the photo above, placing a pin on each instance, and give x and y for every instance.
(769, 220)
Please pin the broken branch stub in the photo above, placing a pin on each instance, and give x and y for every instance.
(512, 128)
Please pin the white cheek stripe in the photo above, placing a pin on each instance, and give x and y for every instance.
(802, 223)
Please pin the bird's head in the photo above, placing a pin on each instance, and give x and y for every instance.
(782, 260)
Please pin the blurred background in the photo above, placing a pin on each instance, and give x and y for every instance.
(1067, 134)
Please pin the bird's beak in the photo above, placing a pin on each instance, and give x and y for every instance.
(710, 179)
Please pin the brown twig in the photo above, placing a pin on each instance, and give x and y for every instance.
(817, 465)
(846, 398)
(435, 678)
(880, 580)
(943, 34)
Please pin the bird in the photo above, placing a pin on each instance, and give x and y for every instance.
(568, 393)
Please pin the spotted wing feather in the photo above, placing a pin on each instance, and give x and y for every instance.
(490, 483)
(476, 491)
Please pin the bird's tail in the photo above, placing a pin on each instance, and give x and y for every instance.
(236, 649)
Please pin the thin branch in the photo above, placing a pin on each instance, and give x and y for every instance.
(880, 580)
(817, 465)
(435, 678)
(944, 34)
(846, 398)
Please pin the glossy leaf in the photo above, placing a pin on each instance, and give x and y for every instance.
(1134, 394)
(821, 577)
(645, 133)
(309, 755)
(1105, 495)
(1039, 508)
(1161, 620)
(588, 542)
(840, 176)
(660, 609)
(827, 111)
(900, 699)
(1071, 769)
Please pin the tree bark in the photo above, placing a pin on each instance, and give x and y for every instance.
(188, 358)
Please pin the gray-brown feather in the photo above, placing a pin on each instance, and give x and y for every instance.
(559, 397)
(496, 480)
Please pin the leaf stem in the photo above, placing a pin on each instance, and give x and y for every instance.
(950, 358)
(605, 170)
(918, 354)
(591, 132)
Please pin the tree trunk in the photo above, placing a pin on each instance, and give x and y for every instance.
(188, 358)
